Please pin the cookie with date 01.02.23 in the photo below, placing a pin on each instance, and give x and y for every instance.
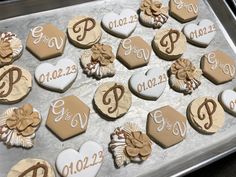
(228, 101)
(57, 78)
(206, 115)
(202, 34)
(184, 10)
(46, 41)
(149, 84)
(169, 44)
(113, 99)
(218, 67)
(84, 31)
(134, 52)
(15, 84)
(32, 167)
(166, 126)
(83, 163)
(121, 25)
(68, 113)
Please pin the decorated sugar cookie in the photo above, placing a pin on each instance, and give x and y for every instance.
(166, 126)
(18, 126)
(68, 113)
(206, 115)
(184, 76)
(153, 13)
(228, 101)
(83, 163)
(99, 61)
(149, 84)
(15, 84)
(11, 48)
(113, 99)
(84, 31)
(32, 167)
(57, 78)
(46, 41)
(169, 44)
(134, 52)
(129, 144)
(202, 34)
(184, 10)
(120, 25)
(218, 67)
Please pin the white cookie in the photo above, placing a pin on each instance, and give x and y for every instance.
(85, 163)
(228, 101)
(201, 34)
(149, 85)
(121, 25)
(56, 78)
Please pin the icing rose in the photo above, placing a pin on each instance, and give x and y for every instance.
(103, 54)
(24, 120)
(138, 145)
(5, 51)
(153, 8)
(183, 69)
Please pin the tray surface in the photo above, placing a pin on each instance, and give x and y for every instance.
(162, 162)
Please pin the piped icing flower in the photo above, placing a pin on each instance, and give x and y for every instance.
(185, 77)
(128, 144)
(5, 51)
(18, 126)
(103, 54)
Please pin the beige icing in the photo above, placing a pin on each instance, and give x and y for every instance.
(166, 126)
(179, 44)
(214, 114)
(25, 164)
(123, 104)
(92, 36)
(20, 89)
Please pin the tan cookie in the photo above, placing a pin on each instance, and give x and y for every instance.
(166, 126)
(113, 99)
(206, 115)
(153, 13)
(169, 44)
(15, 84)
(134, 52)
(184, 10)
(70, 114)
(99, 61)
(129, 144)
(84, 31)
(218, 67)
(46, 41)
(11, 48)
(18, 126)
(184, 76)
(32, 168)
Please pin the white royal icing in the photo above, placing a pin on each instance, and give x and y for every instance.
(57, 77)
(228, 99)
(85, 163)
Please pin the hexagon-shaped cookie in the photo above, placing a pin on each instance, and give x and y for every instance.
(46, 41)
(134, 52)
(184, 10)
(166, 126)
(67, 117)
(218, 67)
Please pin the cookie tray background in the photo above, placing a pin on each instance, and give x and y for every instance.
(195, 151)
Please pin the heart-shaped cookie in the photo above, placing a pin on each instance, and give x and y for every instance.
(149, 85)
(57, 78)
(201, 34)
(85, 163)
(121, 25)
(228, 101)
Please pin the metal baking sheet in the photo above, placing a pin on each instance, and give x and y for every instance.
(195, 151)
